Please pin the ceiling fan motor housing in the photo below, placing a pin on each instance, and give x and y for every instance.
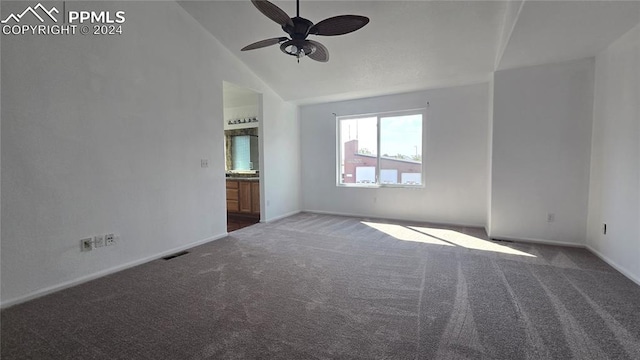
(300, 28)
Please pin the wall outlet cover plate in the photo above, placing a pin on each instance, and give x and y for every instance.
(98, 241)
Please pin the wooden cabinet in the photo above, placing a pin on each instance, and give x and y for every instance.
(255, 197)
(243, 197)
(232, 196)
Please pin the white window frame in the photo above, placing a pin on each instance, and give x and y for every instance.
(378, 116)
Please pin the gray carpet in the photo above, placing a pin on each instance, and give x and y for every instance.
(327, 287)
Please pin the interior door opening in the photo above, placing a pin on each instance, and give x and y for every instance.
(242, 147)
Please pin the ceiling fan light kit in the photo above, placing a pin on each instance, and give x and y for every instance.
(299, 28)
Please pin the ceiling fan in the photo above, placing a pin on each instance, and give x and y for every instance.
(299, 28)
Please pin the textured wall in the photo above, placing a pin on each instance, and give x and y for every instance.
(541, 146)
(615, 161)
(454, 156)
(106, 134)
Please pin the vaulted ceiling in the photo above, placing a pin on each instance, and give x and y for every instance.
(410, 45)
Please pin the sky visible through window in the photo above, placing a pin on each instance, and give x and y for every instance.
(399, 135)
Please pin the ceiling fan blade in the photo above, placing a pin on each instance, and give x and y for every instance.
(321, 54)
(264, 43)
(339, 25)
(273, 12)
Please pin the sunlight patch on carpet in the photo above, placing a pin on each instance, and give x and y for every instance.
(468, 241)
(443, 237)
(406, 234)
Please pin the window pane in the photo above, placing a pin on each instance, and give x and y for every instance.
(401, 149)
(358, 150)
(388, 176)
(365, 174)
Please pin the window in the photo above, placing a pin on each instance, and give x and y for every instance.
(381, 149)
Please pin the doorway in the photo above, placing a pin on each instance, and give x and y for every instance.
(242, 147)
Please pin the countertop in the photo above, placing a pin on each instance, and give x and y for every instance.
(236, 178)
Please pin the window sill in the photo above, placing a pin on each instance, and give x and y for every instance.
(379, 186)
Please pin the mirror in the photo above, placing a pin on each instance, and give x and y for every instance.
(242, 150)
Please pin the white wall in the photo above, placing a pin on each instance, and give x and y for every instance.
(105, 134)
(615, 161)
(541, 151)
(240, 112)
(239, 104)
(281, 169)
(487, 225)
(455, 158)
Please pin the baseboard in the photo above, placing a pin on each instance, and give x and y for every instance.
(538, 241)
(99, 274)
(322, 212)
(614, 265)
(279, 217)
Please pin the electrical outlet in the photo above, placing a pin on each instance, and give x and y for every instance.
(204, 163)
(86, 244)
(98, 241)
(551, 217)
(110, 239)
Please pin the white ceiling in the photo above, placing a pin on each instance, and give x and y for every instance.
(554, 31)
(410, 45)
